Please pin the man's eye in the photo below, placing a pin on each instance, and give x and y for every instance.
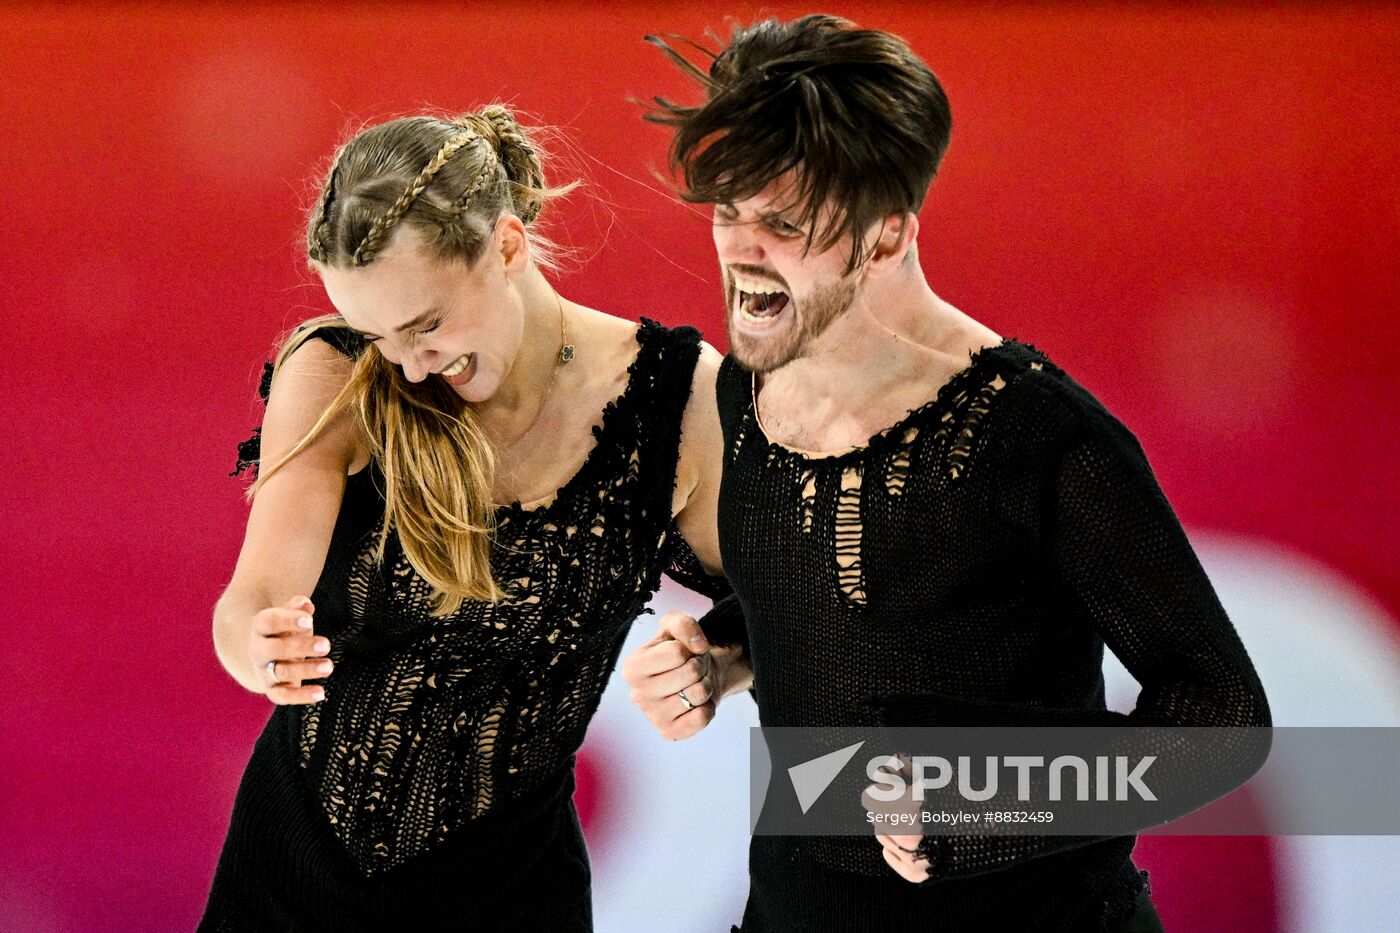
(783, 228)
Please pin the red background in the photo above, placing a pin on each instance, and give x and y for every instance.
(1193, 209)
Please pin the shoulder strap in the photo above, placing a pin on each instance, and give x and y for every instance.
(659, 384)
(664, 371)
(343, 339)
(733, 393)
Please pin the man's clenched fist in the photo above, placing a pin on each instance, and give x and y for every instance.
(678, 676)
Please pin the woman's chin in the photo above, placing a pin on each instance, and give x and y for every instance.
(478, 390)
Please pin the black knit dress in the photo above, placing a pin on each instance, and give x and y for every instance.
(967, 567)
(432, 788)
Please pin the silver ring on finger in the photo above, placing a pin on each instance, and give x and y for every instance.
(686, 700)
(272, 669)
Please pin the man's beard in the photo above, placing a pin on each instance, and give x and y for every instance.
(813, 316)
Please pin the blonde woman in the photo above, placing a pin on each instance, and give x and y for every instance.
(469, 488)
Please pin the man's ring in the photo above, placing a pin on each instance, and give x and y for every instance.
(272, 669)
(686, 700)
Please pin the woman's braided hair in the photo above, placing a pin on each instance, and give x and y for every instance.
(465, 171)
(449, 178)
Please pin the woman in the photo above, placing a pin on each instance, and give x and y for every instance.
(483, 483)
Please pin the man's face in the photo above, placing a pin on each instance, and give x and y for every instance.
(777, 300)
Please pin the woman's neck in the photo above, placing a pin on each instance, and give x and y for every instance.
(513, 407)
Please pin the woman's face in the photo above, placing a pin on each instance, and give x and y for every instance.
(439, 319)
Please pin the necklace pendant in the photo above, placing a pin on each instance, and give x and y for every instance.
(566, 353)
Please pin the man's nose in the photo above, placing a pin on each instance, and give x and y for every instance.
(737, 242)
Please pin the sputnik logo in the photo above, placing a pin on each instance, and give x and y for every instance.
(811, 778)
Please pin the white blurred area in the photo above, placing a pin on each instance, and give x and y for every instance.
(675, 856)
(1328, 656)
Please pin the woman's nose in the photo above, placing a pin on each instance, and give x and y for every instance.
(418, 364)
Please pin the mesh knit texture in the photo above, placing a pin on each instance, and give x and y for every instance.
(431, 725)
(967, 566)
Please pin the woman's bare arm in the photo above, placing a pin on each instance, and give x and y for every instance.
(698, 467)
(680, 659)
(288, 533)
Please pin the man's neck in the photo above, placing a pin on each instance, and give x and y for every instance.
(884, 337)
(888, 353)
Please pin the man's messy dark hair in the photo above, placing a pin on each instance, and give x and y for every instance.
(860, 117)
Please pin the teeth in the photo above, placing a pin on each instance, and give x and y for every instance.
(756, 287)
(456, 368)
(749, 316)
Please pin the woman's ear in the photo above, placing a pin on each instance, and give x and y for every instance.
(511, 243)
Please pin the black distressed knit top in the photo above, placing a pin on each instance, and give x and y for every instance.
(431, 724)
(967, 566)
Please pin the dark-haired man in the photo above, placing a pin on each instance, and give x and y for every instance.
(924, 522)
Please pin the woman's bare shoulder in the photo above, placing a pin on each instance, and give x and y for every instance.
(701, 437)
(302, 388)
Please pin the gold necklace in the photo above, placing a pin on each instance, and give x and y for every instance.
(566, 353)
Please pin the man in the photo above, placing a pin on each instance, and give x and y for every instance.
(925, 523)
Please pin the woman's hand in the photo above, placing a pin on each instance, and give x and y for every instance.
(284, 650)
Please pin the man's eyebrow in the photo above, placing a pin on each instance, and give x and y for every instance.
(787, 215)
(763, 214)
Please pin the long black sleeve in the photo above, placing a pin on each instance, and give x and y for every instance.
(968, 566)
(1126, 568)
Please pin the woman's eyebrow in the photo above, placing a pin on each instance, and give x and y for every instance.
(420, 319)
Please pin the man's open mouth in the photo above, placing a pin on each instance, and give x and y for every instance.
(759, 300)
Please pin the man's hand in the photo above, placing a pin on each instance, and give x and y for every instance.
(901, 854)
(678, 677)
(900, 851)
